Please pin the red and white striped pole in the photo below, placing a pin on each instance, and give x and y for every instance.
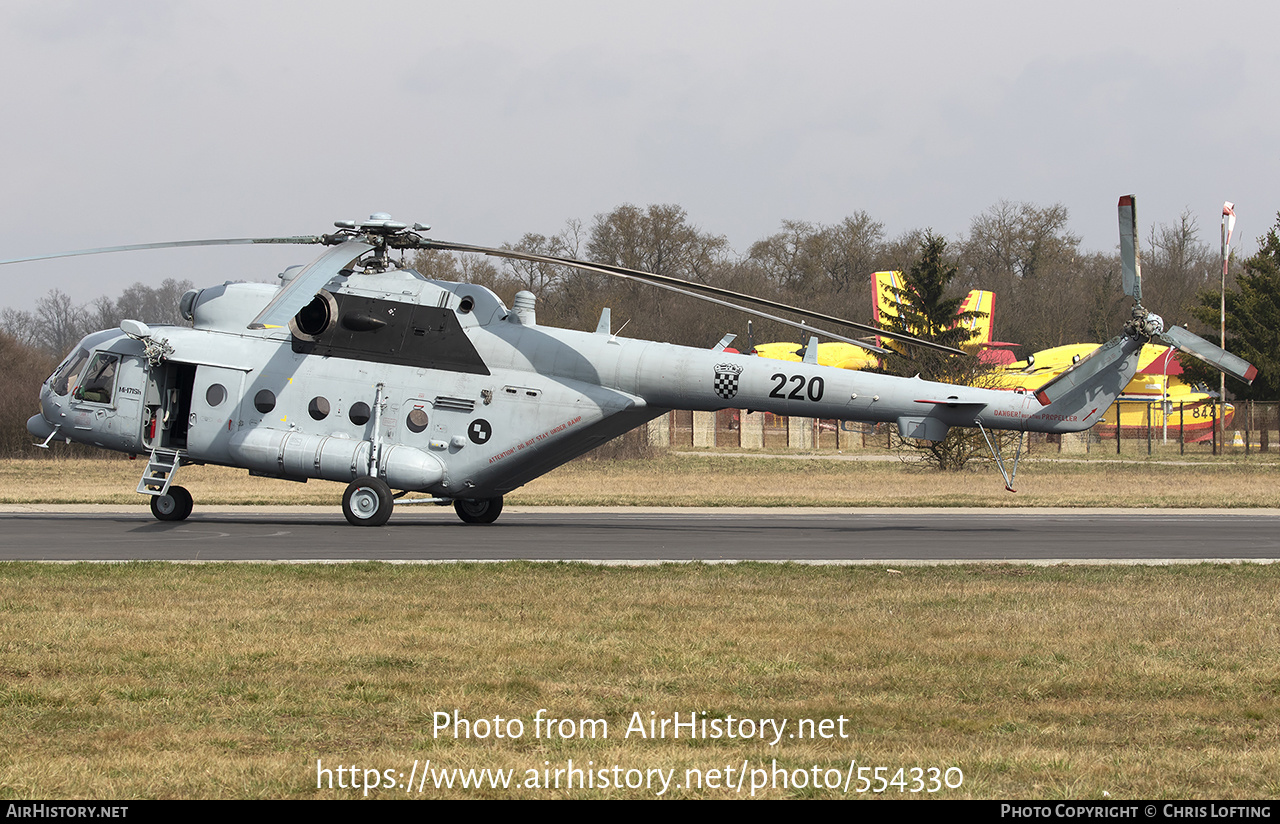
(1228, 225)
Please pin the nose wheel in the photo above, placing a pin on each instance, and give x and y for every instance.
(367, 502)
(174, 505)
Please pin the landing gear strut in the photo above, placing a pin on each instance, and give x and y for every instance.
(482, 511)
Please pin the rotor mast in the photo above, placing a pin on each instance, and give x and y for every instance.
(382, 233)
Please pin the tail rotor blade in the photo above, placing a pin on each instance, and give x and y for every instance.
(1234, 366)
(1132, 267)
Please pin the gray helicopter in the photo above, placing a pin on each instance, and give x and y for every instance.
(357, 371)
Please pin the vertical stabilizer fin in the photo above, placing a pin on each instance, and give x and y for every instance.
(811, 351)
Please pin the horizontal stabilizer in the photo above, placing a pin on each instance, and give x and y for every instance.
(950, 402)
(1215, 356)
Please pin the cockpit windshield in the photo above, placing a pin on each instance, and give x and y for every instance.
(68, 374)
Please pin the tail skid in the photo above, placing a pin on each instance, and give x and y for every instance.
(994, 446)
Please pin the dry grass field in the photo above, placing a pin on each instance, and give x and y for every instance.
(722, 480)
(240, 681)
(179, 681)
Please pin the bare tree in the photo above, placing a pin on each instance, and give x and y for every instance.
(59, 322)
(153, 304)
(658, 239)
(476, 269)
(1176, 267)
(102, 314)
(784, 256)
(436, 264)
(534, 276)
(828, 266)
(26, 367)
(1027, 256)
(815, 258)
(1020, 241)
(1107, 308)
(20, 325)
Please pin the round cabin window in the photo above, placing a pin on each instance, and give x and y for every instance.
(264, 401)
(417, 420)
(318, 409)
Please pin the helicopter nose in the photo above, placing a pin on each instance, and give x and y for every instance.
(39, 427)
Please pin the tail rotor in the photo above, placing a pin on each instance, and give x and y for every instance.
(1147, 326)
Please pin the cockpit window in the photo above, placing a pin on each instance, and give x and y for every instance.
(68, 374)
(99, 379)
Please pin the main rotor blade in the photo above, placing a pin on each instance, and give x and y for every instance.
(700, 291)
(1215, 356)
(299, 291)
(870, 347)
(174, 244)
(1130, 265)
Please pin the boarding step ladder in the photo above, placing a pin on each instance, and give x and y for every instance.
(161, 468)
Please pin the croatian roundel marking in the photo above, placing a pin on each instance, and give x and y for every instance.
(479, 431)
(726, 381)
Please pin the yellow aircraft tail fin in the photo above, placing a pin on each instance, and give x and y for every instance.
(979, 300)
(886, 284)
(884, 303)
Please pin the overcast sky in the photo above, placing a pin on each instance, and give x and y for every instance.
(137, 121)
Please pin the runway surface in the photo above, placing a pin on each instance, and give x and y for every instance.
(639, 535)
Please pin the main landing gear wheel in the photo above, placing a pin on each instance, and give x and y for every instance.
(367, 502)
(483, 511)
(175, 505)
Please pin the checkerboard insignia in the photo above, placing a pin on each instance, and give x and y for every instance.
(726, 382)
(480, 431)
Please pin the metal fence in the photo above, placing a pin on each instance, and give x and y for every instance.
(1238, 427)
(1130, 427)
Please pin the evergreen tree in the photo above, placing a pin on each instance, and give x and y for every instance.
(925, 311)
